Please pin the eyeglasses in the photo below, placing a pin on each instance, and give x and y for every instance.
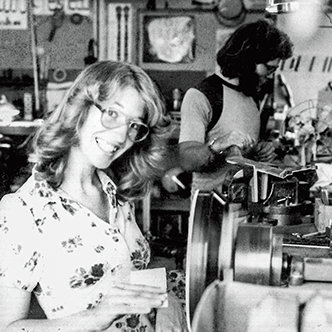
(271, 68)
(110, 118)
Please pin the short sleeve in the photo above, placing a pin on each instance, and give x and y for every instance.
(20, 255)
(196, 114)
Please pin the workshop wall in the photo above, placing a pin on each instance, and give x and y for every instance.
(70, 44)
(310, 69)
(67, 49)
(207, 28)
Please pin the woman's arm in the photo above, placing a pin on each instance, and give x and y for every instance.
(14, 309)
(120, 300)
(14, 305)
(195, 154)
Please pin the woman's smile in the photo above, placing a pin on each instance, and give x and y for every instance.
(106, 147)
(100, 146)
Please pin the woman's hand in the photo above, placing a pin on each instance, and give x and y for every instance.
(125, 299)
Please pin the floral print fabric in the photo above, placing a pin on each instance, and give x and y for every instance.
(65, 254)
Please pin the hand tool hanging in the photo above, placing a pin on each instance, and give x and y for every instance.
(13, 6)
(88, 60)
(56, 21)
(118, 17)
(35, 66)
(126, 17)
(119, 33)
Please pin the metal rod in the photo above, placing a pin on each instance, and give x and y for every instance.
(34, 54)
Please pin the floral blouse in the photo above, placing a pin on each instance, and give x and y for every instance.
(60, 250)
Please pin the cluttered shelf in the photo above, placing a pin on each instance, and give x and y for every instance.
(164, 221)
(19, 127)
(14, 141)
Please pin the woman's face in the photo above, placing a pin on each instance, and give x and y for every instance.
(99, 146)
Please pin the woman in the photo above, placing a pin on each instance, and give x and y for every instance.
(69, 233)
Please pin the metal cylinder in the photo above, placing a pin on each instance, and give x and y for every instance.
(258, 255)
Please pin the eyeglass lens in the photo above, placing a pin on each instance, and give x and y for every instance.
(271, 68)
(136, 131)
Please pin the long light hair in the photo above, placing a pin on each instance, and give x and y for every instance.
(135, 170)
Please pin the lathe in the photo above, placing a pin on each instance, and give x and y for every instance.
(264, 228)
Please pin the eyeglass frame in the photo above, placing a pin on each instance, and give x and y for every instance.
(271, 68)
(128, 123)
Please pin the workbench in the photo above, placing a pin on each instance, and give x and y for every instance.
(20, 127)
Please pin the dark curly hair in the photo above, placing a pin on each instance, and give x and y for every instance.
(249, 45)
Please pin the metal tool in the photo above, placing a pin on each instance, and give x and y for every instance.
(126, 10)
(258, 255)
(118, 38)
(232, 236)
(88, 60)
(224, 245)
(203, 247)
(56, 21)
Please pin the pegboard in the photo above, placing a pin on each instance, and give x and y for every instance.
(67, 50)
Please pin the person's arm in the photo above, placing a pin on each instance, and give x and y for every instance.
(194, 153)
(120, 300)
(199, 157)
(263, 151)
(19, 242)
(195, 156)
(14, 308)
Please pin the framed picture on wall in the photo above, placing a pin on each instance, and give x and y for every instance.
(167, 38)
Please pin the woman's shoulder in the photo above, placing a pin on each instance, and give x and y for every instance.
(35, 189)
(16, 218)
(36, 186)
(10, 200)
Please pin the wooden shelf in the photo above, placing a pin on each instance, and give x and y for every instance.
(152, 205)
(175, 205)
(20, 128)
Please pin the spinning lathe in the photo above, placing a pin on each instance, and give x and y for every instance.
(272, 240)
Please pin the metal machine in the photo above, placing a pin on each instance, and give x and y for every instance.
(259, 230)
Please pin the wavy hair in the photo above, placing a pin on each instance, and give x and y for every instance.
(141, 164)
(249, 45)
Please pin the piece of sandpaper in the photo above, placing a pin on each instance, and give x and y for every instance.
(151, 277)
